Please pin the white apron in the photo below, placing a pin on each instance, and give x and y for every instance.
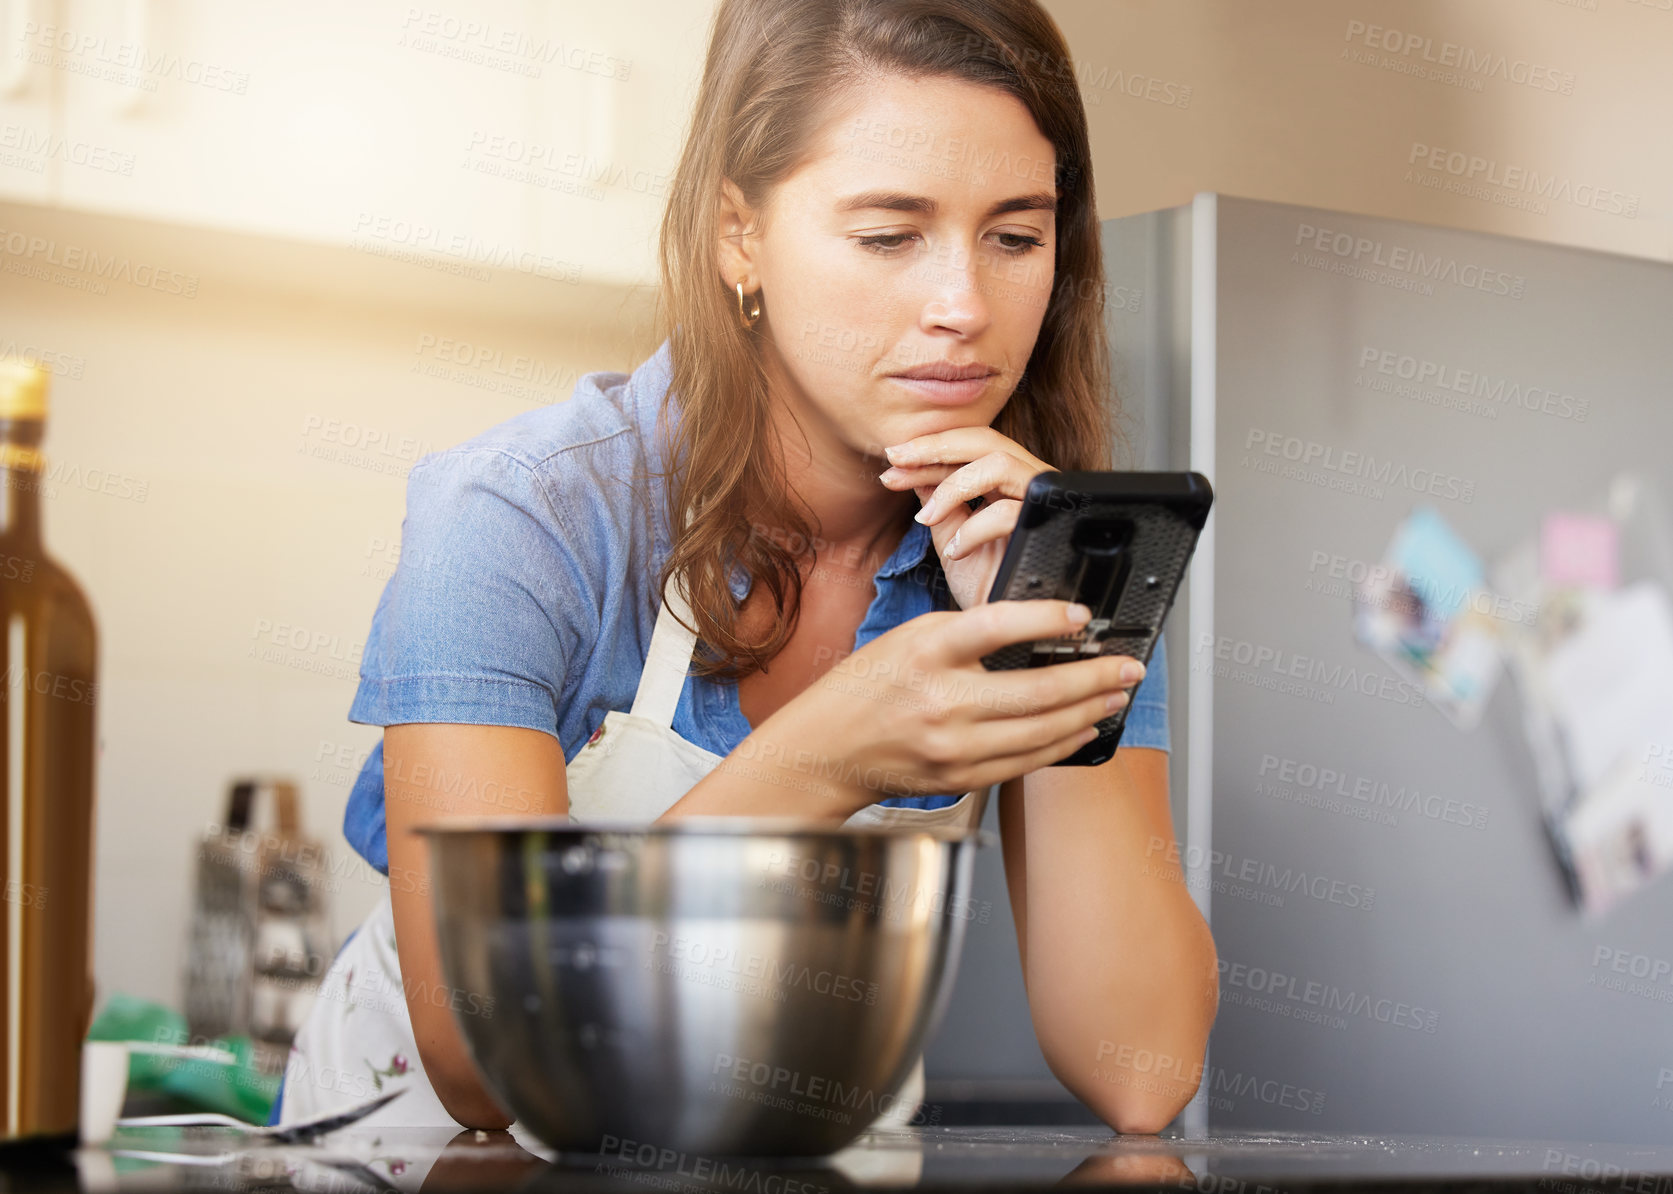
(357, 1040)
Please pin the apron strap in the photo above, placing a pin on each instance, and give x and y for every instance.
(664, 676)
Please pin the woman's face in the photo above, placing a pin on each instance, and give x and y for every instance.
(919, 232)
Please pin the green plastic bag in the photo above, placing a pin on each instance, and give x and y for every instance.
(237, 1088)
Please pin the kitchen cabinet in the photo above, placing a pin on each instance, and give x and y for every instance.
(499, 135)
(31, 149)
(614, 142)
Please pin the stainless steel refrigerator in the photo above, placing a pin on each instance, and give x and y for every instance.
(1409, 939)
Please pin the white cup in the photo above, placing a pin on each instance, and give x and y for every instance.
(104, 1085)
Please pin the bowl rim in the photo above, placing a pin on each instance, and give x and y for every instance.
(694, 826)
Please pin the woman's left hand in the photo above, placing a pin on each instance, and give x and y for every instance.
(947, 469)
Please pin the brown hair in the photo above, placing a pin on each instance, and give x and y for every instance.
(773, 67)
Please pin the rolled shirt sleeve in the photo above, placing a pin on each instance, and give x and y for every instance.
(486, 607)
(1147, 716)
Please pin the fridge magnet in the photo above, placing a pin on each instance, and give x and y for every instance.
(1427, 611)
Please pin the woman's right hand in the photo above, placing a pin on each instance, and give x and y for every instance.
(914, 711)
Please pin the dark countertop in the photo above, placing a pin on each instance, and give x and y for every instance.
(930, 1158)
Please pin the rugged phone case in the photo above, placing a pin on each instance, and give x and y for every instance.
(1119, 543)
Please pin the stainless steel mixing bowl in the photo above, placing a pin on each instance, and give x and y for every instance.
(713, 986)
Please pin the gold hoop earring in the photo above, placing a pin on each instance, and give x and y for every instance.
(754, 313)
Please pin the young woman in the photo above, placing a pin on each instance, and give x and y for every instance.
(882, 287)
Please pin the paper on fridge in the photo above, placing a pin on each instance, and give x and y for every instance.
(1610, 683)
(1610, 691)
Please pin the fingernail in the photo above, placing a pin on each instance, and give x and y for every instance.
(1079, 613)
(888, 474)
(1132, 671)
(922, 515)
(1114, 701)
(952, 546)
(900, 454)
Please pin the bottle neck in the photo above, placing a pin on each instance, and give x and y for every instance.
(22, 475)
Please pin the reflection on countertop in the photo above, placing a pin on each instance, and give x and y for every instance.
(938, 1158)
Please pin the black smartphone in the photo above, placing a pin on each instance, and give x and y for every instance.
(1118, 543)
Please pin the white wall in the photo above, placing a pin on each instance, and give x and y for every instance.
(1276, 106)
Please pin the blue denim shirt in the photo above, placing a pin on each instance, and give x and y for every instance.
(525, 593)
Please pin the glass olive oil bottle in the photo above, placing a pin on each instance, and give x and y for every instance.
(48, 653)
